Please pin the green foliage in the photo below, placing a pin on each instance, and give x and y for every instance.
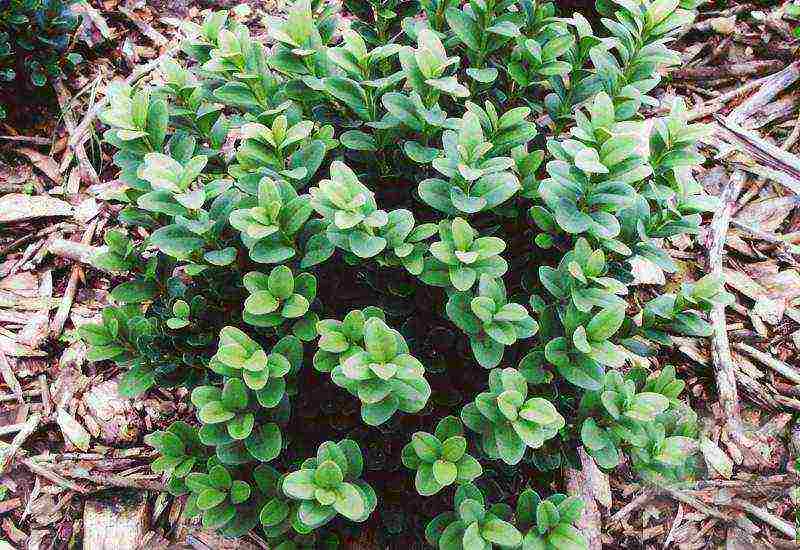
(491, 322)
(329, 484)
(34, 39)
(371, 361)
(473, 524)
(463, 257)
(409, 149)
(793, 11)
(642, 417)
(479, 178)
(549, 522)
(440, 459)
(507, 420)
(181, 451)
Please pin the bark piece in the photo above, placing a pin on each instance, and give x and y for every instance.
(768, 161)
(590, 485)
(15, 207)
(118, 522)
(720, 347)
(770, 88)
(119, 423)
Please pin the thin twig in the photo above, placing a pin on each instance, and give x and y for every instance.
(47, 400)
(9, 377)
(156, 37)
(768, 91)
(793, 137)
(28, 237)
(27, 139)
(631, 507)
(87, 171)
(115, 481)
(77, 252)
(768, 361)
(761, 513)
(681, 496)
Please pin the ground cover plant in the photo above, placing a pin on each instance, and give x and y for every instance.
(412, 235)
(34, 37)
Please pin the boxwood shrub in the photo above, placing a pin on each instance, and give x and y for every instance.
(416, 228)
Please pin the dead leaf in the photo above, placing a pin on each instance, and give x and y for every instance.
(16, 207)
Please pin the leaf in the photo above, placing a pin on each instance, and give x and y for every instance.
(471, 539)
(566, 537)
(134, 292)
(449, 85)
(380, 340)
(234, 395)
(484, 76)
(646, 406)
(349, 502)
(444, 472)
(501, 533)
(300, 484)
(350, 93)
(209, 498)
(426, 446)
(223, 257)
(176, 240)
(425, 482)
(378, 413)
(510, 446)
(419, 153)
(594, 437)
(265, 442)
(436, 193)
(328, 474)
(358, 141)
(136, 381)
(464, 27)
(273, 512)
(240, 427)
(488, 353)
(318, 249)
(214, 413)
(162, 172)
(453, 448)
(540, 410)
(260, 303)
(240, 491)
(605, 323)
(365, 245)
(468, 469)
